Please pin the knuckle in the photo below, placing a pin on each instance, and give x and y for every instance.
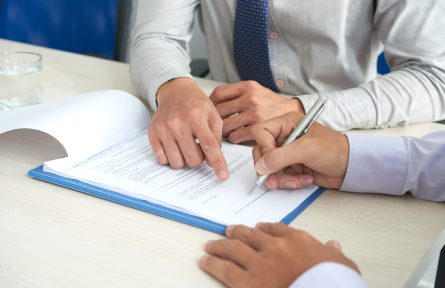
(254, 100)
(193, 163)
(280, 246)
(257, 114)
(251, 84)
(195, 114)
(208, 144)
(159, 126)
(233, 137)
(162, 132)
(231, 247)
(174, 124)
(235, 230)
(266, 227)
(217, 90)
(151, 132)
(216, 94)
(270, 247)
(302, 235)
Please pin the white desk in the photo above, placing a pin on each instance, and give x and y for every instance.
(55, 237)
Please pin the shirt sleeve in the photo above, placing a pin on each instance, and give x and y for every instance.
(329, 274)
(397, 165)
(414, 90)
(159, 49)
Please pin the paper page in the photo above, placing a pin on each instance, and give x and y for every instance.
(84, 124)
(131, 168)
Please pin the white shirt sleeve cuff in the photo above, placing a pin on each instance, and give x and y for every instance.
(377, 164)
(329, 274)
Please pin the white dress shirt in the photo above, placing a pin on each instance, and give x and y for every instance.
(397, 165)
(326, 47)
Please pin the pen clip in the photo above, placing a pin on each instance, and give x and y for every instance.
(314, 119)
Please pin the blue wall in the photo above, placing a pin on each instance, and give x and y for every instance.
(82, 26)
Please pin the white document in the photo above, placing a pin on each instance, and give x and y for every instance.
(131, 168)
(106, 140)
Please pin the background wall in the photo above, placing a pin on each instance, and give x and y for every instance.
(82, 26)
(99, 28)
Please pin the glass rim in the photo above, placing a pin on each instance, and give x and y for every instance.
(34, 61)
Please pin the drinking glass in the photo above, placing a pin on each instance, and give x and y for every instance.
(20, 83)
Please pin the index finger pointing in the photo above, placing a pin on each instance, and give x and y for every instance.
(212, 151)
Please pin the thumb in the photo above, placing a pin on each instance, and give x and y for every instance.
(334, 244)
(279, 158)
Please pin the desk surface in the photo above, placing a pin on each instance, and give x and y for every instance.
(55, 237)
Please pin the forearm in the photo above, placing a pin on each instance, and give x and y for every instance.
(159, 50)
(413, 93)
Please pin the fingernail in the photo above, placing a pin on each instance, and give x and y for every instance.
(306, 180)
(229, 229)
(334, 243)
(290, 184)
(223, 174)
(259, 224)
(161, 158)
(208, 243)
(203, 259)
(261, 167)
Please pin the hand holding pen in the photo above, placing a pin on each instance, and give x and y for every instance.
(273, 133)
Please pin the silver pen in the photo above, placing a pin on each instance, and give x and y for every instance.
(302, 128)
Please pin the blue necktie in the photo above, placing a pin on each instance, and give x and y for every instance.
(250, 42)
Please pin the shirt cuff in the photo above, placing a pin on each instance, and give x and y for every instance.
(377, 164)
(329, 274)
(307, 100)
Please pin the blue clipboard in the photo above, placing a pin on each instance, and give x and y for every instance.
(152, 208)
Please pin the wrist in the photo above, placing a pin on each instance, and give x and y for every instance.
(298, 105)
(172, 86)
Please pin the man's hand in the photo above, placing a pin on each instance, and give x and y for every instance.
(185, 114)
(270, 255)
(319, 157)
(246, 103)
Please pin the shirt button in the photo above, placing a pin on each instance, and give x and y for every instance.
(279, 83)
(273, 35)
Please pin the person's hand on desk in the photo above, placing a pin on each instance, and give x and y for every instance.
(243, 104)
(319, 157)
(270, 255)
(184, 114)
